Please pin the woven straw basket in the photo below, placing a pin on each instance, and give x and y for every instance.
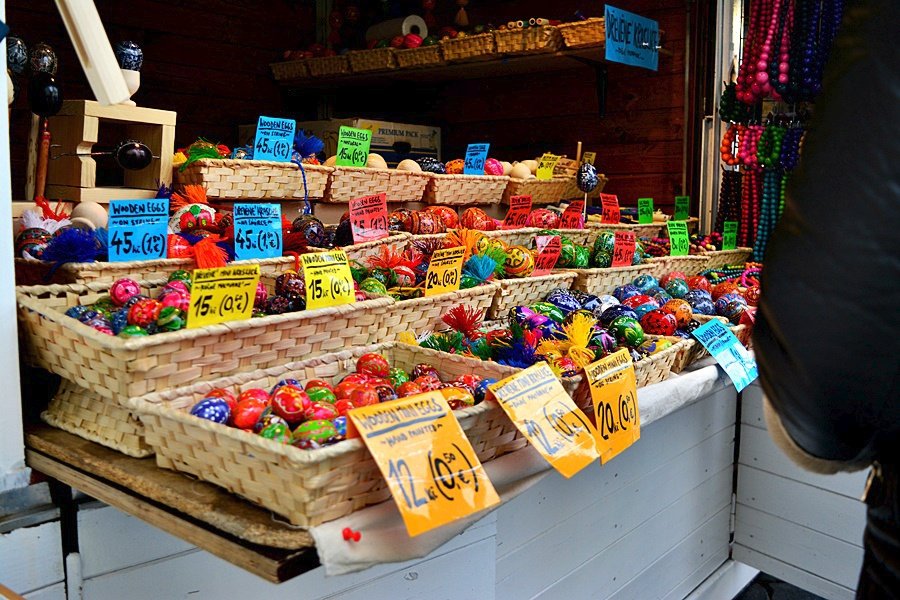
(578, 236)
(292, 69)
(603, 281)
(528, 40)
(690, 351)
(514, 237)
(689, 265)
(510, 41)
(590, 32)
(228, 179)
(348, 183)
(120, 368)
(464, 189)
(526, 291)
(542, 192)
(377, 59)
(470, 47)
(424, 314)
(645, 230)
(308, 487)
(360, 252)
(327, 66)
(722, 258)
(423, 56)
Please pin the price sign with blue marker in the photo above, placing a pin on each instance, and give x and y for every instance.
(138, 229)
(274, 139)
(257, 230)
(476, 155)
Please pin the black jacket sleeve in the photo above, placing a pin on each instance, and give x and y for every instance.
(828, 326)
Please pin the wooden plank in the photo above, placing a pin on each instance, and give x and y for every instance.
(53, 592)
(798, 577)
(812, 507)
(117, 112)
(727, 582)
(31, 558)
(96, 194)
(814, 552)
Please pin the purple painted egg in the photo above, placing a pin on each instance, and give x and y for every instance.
(613, 312)
(625, 291)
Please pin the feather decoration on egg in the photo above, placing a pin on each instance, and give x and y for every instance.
(72, 245)
(480, 269)
(307, 146)
(464, 319)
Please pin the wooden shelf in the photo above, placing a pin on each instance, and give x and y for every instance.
(199, 513)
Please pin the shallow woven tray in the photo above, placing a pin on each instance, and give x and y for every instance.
(465, 190)
(645, 230)
(423, 56)
(550, 191)
(424, 314)
(722, 258)
(514, 237)
(689, 265)
(376, 59)
(93, 417)
(527, 291)
(590, 32)
(359, 252)
(229, 179)
(603, 281)
(120, 368)
(528, 40)
(325, 66)
(347, 183)
(470, 47)
(291, 69)
(308, 487)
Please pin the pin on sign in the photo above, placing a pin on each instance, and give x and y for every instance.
(369, 218)
(517, 215)
(610, 207)
(274, 139)
(614, 395)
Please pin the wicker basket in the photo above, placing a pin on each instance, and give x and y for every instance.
(550, 191)
(645, 230)
(93, 417)
(377, 59)
(590, 32)
(603, 281)
(228, 179)
(290, 70)
(424, 314)
(348, 183)
(328, 66)
(572, 192)
(722, 258)
(423, 56)
(308, 487)
(690, 351)
(465, 190)
(526, 291)
(542, 39)
(689, 265)
(470, 47)
(510, 41)
(360, 252)
(514, 237)
(120, 368)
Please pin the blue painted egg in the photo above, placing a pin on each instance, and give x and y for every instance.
(587, 178)
(76, 311)
(645, 282)
(642, 309)
(590, 302)
(129, 55)
(614, 312)
(626, 291)
(563, 300)
(481, 388)
(212, 409)
(734, 310)
(677, 288)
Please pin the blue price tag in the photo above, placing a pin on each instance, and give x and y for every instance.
(631, 39)
(476, 154)
(257, 230)
(138, 229)
(274, 139)
(728, 351)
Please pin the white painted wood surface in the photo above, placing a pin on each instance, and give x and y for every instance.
(31, 558)
(53, 592)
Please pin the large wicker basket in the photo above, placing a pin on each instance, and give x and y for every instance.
(526, 291)
(689, 265)
(645, 230)
(228, 179)
(528, 40)
(360, 252)
(308, 487)
(722, 258)
(328, 66)
(514, 237)
(424, 314)
(120, 368)
(590, 32)
(377, 59)
(423, 56)
(603, 281)
(550, 191)
(465, 190)
(470, 47)
(290, 70)
(348, 183)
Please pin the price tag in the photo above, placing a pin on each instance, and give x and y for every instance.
(623, 251)
(728, 351)
(729, 235)
(589, 157)
(548, 247)
(328, 279)
(679, 242)
(519, 208)
(682, 208)
(545, 414)
(444, 271)
(645, 211)
(138, 229)
(614, 392)
(353, 147)
(369, 218)
(546, 165)
(222, 295)
(274, 139)
(573, 216)
(476, 154)
(610, 204)
(429, 465)
(257, 230)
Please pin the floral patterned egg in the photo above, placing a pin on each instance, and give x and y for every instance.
(446, 214)
(628, 331)
(542, 218)
(475, 218)
(680, 309)
(659, 322)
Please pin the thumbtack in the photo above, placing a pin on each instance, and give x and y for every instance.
(349, 534)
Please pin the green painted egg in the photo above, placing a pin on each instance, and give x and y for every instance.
(277, 432)
(549, 310)
(628, 331)
(373, 286)
(601, 259)
(606, 241)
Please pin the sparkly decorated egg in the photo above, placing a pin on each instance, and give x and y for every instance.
(314, 434)
(455, 166)
(77, 311)
(170, 319)
(385, 393)
(680, 309)
(587, 179)
(102, 325)
(542, 218)
(446, 214)
(277, 432)
(431, 165)
(677, 288)
(278, 305)
(659, 322)
(614, 312)
(212, 409)
(628, 331)
(374, 364)
(123, 290)
(397, 376)
(313, 230)
(670, 276)
(645, 282)
(131, 331)
(119, 321)
(476, 218)
(291, 403)
(626, 291)
(519, 262)
(481, 389)
(492, 166)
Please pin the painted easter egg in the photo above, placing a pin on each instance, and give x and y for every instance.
(680, 309)
(519, 262)
(212, 409)
(659, 322)
(628, 331)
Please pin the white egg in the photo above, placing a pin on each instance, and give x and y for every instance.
(91, 211)
(531, 164)
(520, 171)
(375, 161)
(409, 164)
(507, 167)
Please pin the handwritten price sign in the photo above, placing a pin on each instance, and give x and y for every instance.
(222, 295)
(257, 230)
(353, 147)
(729, 235)
(610, 206)
(476, 155)
(614, 394)
(444, 271)
(728, 351)
(623, 251)
(274, 139)
(573, 216)
(138, 229)
(542, 410)
(679, 241)
(682, 208)
(589, 157)
(328, 279)
(430, 467)
(645, 211)
(546, 165)
(519, 208)
(369, 218)
(548, 247)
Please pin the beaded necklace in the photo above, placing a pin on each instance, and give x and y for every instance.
(731, 140)
(790, 148)
(753, 77)
(730, 206)
(779, 70)
(772, 204)
(768, 150)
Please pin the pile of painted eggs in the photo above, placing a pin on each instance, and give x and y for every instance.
(289, 295)
(700, 244)
(315, 414)
(599, 255)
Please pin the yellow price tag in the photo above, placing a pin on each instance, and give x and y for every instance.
(546, 165)
(614, 392)
(430, 467)
(589, 157)
(328, 279)
(542, 410)
(221, 295)
(444, 271)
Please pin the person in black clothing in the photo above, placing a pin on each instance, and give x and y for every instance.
(830, 312)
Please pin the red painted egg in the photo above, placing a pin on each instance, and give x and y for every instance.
(726, 287)
(256, 394)
(321, 410)
(364, 396)
(246, 413)
(373, 364)
(635, 301)
(423, 369)
(680, 309)
(318, 383)
(408, 388)
(698, 282)
(659, 322)
(344, 406)
(446, 214)
(291, 404)
(343, 390)
(475, 218)
(455, 166)
(492, 166)
(543, 219)
(428, 383)
(673, 275)
(225, 395)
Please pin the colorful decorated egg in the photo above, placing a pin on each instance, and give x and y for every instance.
(659, 322)
(543, 219)
(314, 434)
(614, 312)
(212, 409)
(492, 166)
(408, 388)
(677, 288)
(734, 310)
(457, 397)
(628, 331)
(424, 370)
(582, 257)
(431, 165)
(606, 241)
(623, 292)
(586, 178)
(670, 276)
(266, 418)
(247, 412)
(373, 364)
(291, 403)
(340, 428)
(122, 290)
(277, 432)
(225, 395)
(519, 262)
(321, 410)
(698, 282)
(601, 259)
(446, 214)
(455, 166)
(131, 331)
(563, 299)
(481, 389)
(170, 319)
(425, 222)
(312, 228)
(32, 241)
(549, 310)
(680, 309)
(726, 287)
(476, 218)
(645, 282)
(651, 347)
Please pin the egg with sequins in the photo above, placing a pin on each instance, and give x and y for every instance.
(212, 409)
